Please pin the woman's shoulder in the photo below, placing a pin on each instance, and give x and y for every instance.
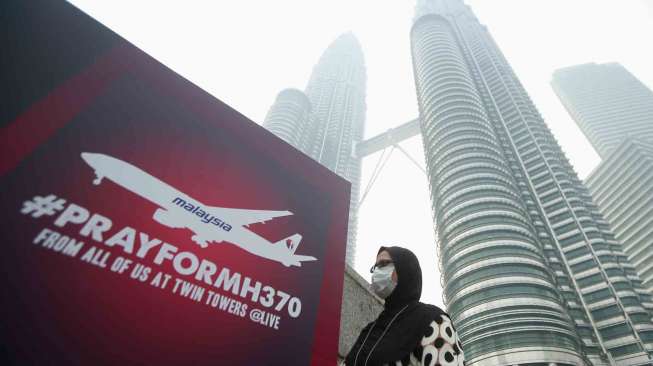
(430, 309)
(428, 313)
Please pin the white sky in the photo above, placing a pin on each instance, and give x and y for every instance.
(245, 52)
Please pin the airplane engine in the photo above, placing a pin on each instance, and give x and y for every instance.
(165, 217)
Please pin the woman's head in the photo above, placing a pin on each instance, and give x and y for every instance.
(384, 275)
(398, 269)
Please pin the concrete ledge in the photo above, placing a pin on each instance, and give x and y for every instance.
(359, 307)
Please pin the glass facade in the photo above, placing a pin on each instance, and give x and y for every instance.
(622, 187)
(532, 272)
(615, 111)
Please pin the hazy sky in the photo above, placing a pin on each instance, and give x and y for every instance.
(245, 52)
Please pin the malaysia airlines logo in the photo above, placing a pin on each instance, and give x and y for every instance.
(208, 224)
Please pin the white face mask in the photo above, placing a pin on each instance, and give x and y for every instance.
(382, 283)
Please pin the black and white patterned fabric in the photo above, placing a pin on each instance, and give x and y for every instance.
(440, 346)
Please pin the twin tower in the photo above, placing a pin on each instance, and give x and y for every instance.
(326, 122)
(532, 273)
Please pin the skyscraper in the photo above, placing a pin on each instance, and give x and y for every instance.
(335, 123)
(615, 111)
(607, 102)
(532, 273)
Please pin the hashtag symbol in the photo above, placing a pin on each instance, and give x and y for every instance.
(40, 206)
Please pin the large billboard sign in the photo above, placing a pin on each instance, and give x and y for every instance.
(146, 222)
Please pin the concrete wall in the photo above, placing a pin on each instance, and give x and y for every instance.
(359, 307)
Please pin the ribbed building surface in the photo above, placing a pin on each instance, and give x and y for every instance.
(622, 187)
(335, 124)
(615, 111)
(607, 102)
(289, 117)
(532, 273)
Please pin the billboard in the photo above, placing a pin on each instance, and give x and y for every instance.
(146, 222)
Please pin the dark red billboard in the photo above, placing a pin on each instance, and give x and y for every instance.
(146, 222)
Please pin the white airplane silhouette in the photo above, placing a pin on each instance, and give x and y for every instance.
(209, 224)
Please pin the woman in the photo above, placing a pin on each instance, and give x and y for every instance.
(406, 332)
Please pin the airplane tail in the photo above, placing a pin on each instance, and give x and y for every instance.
(291, 243)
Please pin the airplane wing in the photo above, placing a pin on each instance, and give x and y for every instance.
(244, 217)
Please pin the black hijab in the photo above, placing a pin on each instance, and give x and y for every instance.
(411, 318)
